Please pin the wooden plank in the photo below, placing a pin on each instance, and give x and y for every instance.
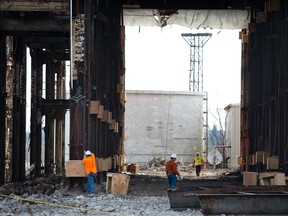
(117, 183)
(75, 168)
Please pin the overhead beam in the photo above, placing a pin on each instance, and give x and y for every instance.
(48, 24)
(187, 4)
(47, 42)
(34, 5)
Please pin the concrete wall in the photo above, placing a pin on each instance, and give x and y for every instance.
(160, 123)
(232, 126)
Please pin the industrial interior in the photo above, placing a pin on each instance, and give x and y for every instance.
(88, 39)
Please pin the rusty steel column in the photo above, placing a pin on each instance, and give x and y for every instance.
(3, 64)
(60, 120)
(244, 143)
(49, 119)
(36, 117)
(19, 111)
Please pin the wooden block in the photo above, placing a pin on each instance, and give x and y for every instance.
(122, 97)
(120, 160)
(260, 157)
(240, 35)
(286, 180)
(279, 179)
(122, 79)
(112, 125)
(106, 164)
(265, 181)
(261, 17)
(251, 160)
(100, 113)
(273, 163)
(117, 183)
(119, 88)
(240, 160)
(134, 168)
(75, 168)
(245, 38)
(249, 178)
(94, 107)
(107, 116)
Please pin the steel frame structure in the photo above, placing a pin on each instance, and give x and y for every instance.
(196, 43)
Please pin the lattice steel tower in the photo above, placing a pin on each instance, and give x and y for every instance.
(196, 43)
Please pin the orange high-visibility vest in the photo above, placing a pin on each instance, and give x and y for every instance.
(90, 164)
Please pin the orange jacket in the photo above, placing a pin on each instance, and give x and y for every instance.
(171, 167)
(90, 164)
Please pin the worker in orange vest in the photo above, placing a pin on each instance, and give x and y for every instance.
(91, 170)
(198, 163)
(172, 172)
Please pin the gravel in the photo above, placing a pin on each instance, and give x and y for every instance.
(69, 203)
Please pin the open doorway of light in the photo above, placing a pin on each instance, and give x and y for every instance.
(157, 59)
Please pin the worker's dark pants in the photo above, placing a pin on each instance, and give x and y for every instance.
(198, 169)
(172, 181)
(90, 182)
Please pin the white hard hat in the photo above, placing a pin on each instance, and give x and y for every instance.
(87, 153)
(197, 153)
(173, 155)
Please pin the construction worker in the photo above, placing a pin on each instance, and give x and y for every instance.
(91, 170)
(198, 163)
(172, 172)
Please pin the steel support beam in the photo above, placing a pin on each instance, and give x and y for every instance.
(3, 94)
(19, 111)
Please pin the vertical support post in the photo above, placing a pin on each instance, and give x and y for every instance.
(19, 111)
(3, 64)
(36, 118)
(49, 121)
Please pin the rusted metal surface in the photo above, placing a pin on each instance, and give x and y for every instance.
(34, 5)
(218, 198)
(244, 204)
(184, 197)
(19, 110)
(264, 85)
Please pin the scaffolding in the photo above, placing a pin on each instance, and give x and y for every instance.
(196, 43)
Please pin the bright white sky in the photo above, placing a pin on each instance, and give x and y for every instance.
(159, 59)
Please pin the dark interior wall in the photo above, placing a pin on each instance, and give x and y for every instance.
(264, 82)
